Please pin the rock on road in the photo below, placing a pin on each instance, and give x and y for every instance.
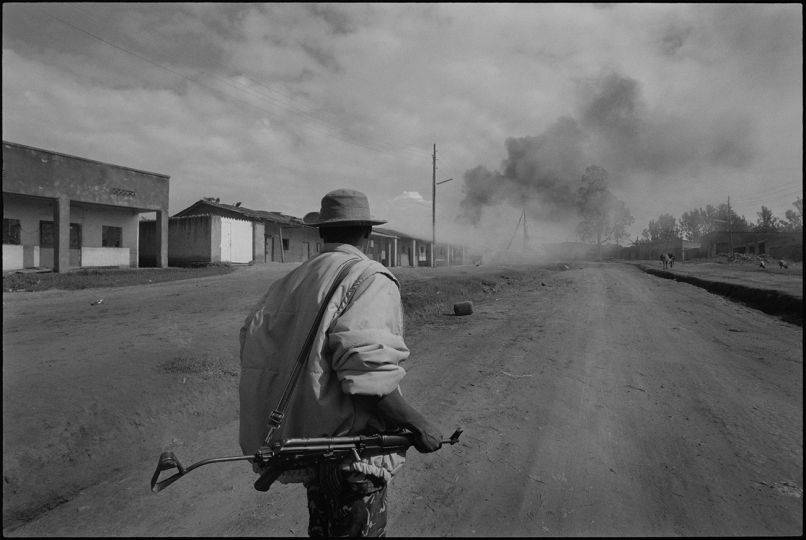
(608, 402)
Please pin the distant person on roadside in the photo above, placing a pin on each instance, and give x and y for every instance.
(350, 382)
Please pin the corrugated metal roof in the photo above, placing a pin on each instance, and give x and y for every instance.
(275, 217)
(254, 215)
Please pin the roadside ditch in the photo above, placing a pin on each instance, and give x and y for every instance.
(785, 306)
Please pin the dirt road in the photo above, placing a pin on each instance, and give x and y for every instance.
(605, 402)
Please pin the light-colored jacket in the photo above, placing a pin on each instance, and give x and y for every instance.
(358, 349)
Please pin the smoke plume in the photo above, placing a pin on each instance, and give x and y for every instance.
(614, 128)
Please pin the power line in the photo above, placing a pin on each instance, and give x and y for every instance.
(767, 198)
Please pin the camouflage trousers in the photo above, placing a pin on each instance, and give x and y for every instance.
(346, 504)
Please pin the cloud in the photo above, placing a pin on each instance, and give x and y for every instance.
(411, 196)
(279, 103)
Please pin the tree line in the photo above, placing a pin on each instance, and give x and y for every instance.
(604, 217)
(695, 224)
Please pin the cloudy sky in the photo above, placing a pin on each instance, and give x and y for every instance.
(274, 105)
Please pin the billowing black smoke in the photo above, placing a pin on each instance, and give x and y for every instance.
(615, 129)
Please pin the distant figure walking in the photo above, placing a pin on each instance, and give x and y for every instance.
(763, 264)
(665, 259)
(782, 264)
(671, 260)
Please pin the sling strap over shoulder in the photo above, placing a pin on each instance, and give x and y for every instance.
(277, 415)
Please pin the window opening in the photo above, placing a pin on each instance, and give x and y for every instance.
(111, 236)
(46, 235)
(11, 231)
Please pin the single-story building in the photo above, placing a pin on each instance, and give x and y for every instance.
(413, 251)
(775, 245)
(222, 232)
(199, 240)
(682, 250)
(62, 211)
(276, 237)
(382, 246)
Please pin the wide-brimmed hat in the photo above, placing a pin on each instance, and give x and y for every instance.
(342, 207)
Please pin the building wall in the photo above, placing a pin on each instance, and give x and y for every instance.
(413, 252)
(407, 252)
(271, 241)
(202, 240)
(382, 249)
(42, 173)
(91, 256)
(268, 237)
(772, 244)
(653, 250)
(258, 244)
(13, 257)
(30, 211)
(93, 219)
(285, 239)
(190, 240)
(40, 184)
(302, 243)
(236, 240)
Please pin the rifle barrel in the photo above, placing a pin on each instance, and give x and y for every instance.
(365, 439)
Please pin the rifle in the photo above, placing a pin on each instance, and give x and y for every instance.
(294, 454)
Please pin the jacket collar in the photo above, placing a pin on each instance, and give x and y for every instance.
(344, 248)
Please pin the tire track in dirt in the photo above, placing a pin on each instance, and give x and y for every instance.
(608, 402)
(618, 432)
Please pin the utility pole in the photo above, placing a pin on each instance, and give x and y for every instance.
(434, 185)
(525, 235)
(730, 229)
(434, 206)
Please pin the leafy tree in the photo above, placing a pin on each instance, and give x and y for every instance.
(665, 228)
(603, 215)
(737, 223)
(724, 218)
(766, 221)
(794, 219)
(696, 223)
(622, 219)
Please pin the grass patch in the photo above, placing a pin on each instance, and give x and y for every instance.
(436, 296)
(206, 367)
(90, 278)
